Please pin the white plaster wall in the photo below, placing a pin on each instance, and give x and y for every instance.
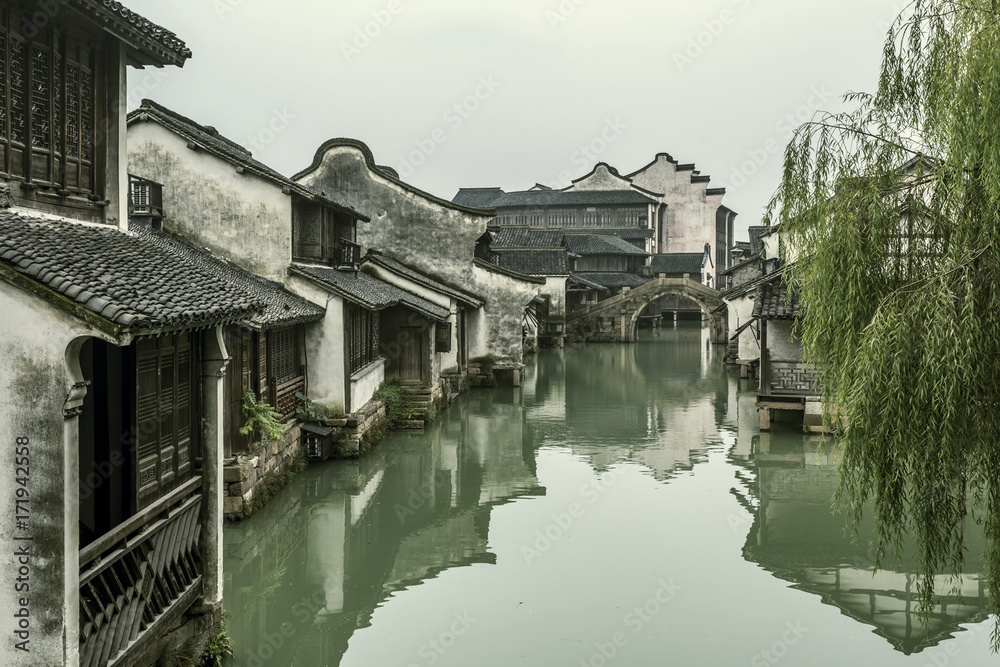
(35, 381)
(689, 221)
(740, 312)
(781, 344)
(324, 346)
(434, 237)
(365, 382)
(601, 179)
(243, 217)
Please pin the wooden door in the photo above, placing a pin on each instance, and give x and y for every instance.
(411, 362)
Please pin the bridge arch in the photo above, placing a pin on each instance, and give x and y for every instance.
(710, 307)
(629, 306)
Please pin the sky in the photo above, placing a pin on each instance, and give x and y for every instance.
(481, 93)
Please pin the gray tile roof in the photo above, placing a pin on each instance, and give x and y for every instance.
(577, 278)
(599, 244)
(523, 238)
(678, 263)
(612, 280)
(477, 197)
(368, 291)
(535, 262)
(281, 308)
(210, 139)
(757, 234)
(157, 44)
(621, 232)
(467, 298)
(124, 279)
(775, 301)
(560, 198)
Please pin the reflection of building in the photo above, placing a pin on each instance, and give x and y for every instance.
(316, 563)
(797, 537)
(661, 419)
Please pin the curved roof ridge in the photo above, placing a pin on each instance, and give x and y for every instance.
(370, 161)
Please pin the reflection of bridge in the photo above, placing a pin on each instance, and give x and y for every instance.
(591, 323)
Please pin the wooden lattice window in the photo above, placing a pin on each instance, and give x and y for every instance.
(167, 418)
(318, 232)
(48, 111)
(363, 337)
(442, 337)
(285, 355)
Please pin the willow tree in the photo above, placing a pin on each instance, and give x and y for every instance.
(894, 210)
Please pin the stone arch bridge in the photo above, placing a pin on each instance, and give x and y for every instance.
(624, 310)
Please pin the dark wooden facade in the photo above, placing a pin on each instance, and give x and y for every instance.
(589, 217)
(269, 363)
(54, 81)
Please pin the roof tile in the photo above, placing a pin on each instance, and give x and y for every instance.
(125, 278)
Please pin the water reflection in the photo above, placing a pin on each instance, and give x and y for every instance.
(658, 403)
(326, 558)
(312, 567)
(796, 536)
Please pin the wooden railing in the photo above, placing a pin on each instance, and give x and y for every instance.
(140, 577)
(283, 396)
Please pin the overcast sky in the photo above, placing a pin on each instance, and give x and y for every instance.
(468, 93)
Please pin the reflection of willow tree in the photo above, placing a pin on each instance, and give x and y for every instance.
(900, 275)
(796, 537)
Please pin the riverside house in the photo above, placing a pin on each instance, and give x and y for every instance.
(114, 361)
(437, 239)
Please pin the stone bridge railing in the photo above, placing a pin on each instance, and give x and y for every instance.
(626, 306)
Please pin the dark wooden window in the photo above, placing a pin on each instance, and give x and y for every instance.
(167, 418)
(442, 337)
(363, 337)
(285, 364)
(320, 234)
(48, 110)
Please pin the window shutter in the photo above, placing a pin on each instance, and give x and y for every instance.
(442, 337)
(147, 450)
(262, 376)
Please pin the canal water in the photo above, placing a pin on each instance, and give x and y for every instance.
(620, 508)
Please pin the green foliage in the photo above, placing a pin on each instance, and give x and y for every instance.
(395, 403)
(311, 411)
(218, 647)
(262, 420)
(895, 209)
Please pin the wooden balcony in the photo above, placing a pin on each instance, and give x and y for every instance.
(348, 254)
(139, 578)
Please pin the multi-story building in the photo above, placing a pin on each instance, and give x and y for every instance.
(664, 207)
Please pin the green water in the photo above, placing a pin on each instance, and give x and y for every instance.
(619, 508)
